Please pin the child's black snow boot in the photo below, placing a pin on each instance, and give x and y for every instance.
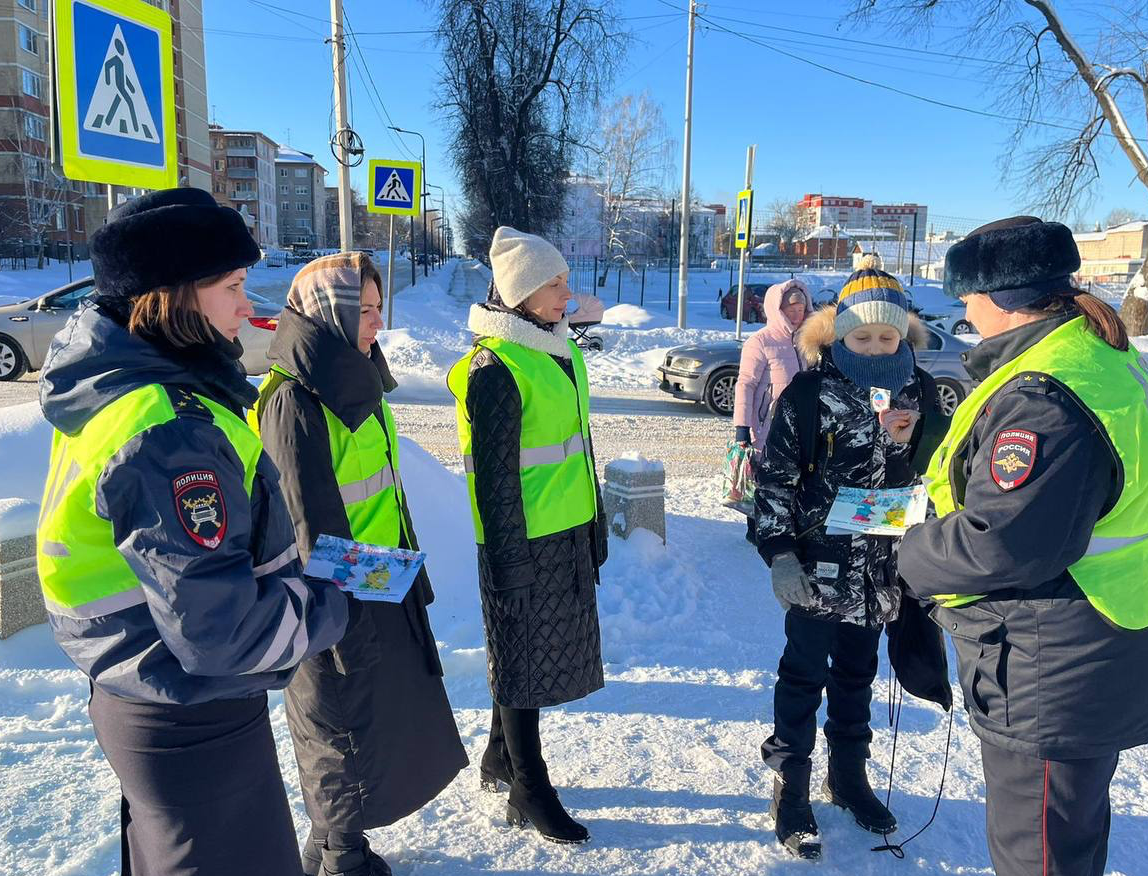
(847, 786)
(793, 820)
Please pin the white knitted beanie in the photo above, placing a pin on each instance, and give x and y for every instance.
(522, 264)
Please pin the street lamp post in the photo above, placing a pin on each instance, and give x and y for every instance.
(442, 218)
(423, 167)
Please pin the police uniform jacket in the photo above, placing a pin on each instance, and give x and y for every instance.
(224, 618)
(1043, 673)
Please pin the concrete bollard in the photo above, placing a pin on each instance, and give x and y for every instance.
(635, 496)
(21, 603)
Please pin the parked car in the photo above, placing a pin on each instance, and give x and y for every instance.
(707, 373)
(27, 328)
(752, 306)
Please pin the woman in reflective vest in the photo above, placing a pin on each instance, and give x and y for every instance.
(1037, 561)
(374, 734)
(166, 554)
(524, 430)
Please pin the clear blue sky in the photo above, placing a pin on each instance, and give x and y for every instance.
(269, 69)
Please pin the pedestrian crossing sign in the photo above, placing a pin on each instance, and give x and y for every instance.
(115, 92)
(395, 187)
(743, 219)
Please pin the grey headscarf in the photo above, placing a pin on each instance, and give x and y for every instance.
(329, 291)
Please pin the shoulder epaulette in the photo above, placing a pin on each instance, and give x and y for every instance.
(185, 404)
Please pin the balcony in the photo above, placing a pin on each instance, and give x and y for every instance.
(244, 196)
(240, 151)
(242, 172)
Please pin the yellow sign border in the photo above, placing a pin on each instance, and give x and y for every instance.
(747, 196)
(416, 200)
(102, 170)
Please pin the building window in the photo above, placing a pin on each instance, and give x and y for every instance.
(28, 40)
(61, 219)
(92, 189)
(33, 84)
(35, 168)
(28, 4)
(285, 206)
(283, 171)
(302, 206)
(219, 164)
(302, 190)
(284, 190)
(34, 127)
(302, 223)
(301, 171)
(77, 219)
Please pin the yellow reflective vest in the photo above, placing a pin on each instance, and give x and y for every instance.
(1112, 386)
(558, 483)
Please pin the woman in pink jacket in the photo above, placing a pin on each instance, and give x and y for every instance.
(768, 363)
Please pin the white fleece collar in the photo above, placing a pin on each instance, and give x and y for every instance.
(508, 327)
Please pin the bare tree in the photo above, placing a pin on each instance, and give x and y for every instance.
(45, 194)
(788, 221)
(631, 165)
(1042, 72)
(517, 79)
(1120, 216)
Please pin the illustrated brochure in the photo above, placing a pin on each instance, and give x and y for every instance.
(365, 571)
(876, 512)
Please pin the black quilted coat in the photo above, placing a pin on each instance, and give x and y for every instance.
(374, 733)
(853, 576)
(551, 653)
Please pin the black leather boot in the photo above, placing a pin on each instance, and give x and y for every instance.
(495, 772)
(793, 820)
(847, 785)
(543, 809)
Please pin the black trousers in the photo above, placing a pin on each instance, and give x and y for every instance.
(1047, 817)
(201, 788)
(514, 732)
(805, 671)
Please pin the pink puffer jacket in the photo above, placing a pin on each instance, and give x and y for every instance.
(768, 363)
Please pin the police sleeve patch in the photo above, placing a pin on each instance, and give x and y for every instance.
(1014, 452)
(199, 506)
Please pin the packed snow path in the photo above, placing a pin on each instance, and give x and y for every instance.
(662, 765)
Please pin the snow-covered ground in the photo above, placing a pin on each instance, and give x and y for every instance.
(663, 764)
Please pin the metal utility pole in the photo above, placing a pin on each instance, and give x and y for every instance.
(391, 273)
(423, 194)
(338, 58)
(684, 242)
(913, 255)
(750, 154)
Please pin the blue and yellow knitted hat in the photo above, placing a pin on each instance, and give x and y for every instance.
(871, 297)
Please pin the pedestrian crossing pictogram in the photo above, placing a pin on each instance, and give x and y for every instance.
(394, 190)
(118, 105)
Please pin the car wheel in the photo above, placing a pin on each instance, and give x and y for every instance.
(963, 327)
(720, 392)
(595, 344)
(13, 362)
(724, 312)
(949, 394)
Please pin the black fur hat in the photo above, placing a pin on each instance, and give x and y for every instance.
(1018, 262)
(166, 238)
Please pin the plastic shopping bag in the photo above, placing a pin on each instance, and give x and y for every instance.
(737, 478)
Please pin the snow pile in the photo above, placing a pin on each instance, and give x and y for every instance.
(26, 443)
(634, 462)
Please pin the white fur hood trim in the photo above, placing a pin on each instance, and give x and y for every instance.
(488, 323)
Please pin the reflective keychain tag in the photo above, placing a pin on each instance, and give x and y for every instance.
(879, 399)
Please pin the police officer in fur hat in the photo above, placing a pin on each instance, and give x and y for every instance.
(165, 551)
(1037, 560)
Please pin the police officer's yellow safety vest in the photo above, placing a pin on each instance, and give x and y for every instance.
(554, 462)
(82, 574)
(366, 466)
(1112, 386)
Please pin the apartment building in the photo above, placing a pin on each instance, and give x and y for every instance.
(243, 177)
(301, 191)
(1113, 255)
(861, 216)
(36, 203)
